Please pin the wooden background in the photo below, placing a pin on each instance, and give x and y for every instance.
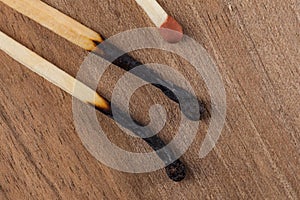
(256, 46)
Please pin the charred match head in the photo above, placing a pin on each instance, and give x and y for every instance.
(176, 171)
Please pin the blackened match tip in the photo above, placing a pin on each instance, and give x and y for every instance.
(194, 114)
(202, 110)
(176, 171)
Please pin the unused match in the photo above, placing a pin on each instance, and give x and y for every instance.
(162, 20)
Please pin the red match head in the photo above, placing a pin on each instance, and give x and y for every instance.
(171, 30)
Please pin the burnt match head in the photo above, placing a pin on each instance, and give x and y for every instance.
(191, 107)
(194, 114)
(176, 171)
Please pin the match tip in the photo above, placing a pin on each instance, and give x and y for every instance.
(171, 30)
(102, 107)
(176, 171)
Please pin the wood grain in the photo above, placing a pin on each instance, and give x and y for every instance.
(256, 47)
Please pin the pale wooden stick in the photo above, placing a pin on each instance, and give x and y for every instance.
(83, 36)
(156, 13)
(57, 22)
(51, 73)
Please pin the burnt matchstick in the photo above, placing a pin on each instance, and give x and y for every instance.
(88, 39)
(162, 20)
(37, 64)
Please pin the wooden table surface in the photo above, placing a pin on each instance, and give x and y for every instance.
(256, 47)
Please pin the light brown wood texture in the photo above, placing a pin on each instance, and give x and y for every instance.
(256, 47)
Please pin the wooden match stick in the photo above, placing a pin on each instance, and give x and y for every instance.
(51, 73)
(88, 39)
(162, 20)
(57, 22)
(37, 64)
